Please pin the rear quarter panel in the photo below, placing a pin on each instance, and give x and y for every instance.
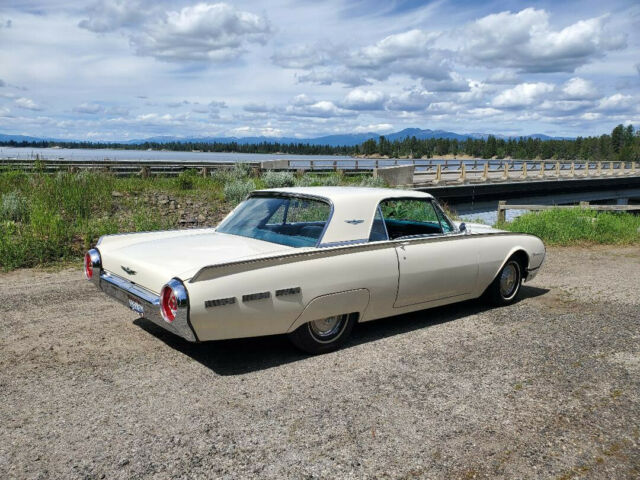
(375, 271)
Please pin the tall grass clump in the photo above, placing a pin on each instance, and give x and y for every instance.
(273, 179)
(578, 226)
(13, 207)
(237, 191)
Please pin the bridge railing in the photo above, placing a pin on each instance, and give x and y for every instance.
(426, 171)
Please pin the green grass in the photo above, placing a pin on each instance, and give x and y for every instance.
(578, 226)
(48, 219)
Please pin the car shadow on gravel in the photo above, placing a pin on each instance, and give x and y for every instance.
(245, 355)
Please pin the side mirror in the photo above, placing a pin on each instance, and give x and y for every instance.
(463, 227)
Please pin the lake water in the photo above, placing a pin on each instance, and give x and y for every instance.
(150, 155)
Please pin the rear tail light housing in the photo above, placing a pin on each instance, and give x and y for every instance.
(92, 264)
(173, 300)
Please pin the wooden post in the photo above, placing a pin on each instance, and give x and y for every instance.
(541, 174)
(611, 168)
(584, 204)
(144, 172)
(205, 172)
(463, 173)
(505, 174)
(599, 169)
(377, 163)
(311, 165)
(356, 164)
(573, 170)
(502, 212)
(557, 169)
(438, 173)
(586, 168)
(633, 168)
(485, 173)
(524, 170)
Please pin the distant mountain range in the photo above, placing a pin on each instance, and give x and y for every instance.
(348, 139)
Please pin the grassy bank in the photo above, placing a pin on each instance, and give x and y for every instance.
(46, 219)
(578, 226)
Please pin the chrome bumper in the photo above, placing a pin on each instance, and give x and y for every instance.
(123, 291)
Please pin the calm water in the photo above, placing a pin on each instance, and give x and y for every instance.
(150, 155)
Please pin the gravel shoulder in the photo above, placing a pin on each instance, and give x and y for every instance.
(546, 388)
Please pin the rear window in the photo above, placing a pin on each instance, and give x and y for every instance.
(292, 221)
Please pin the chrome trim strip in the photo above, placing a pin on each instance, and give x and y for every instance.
(344, 243)
(122, 289)
(209, 272)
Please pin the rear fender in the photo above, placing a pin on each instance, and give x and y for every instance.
(324, 306)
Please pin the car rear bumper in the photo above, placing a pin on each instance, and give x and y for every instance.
(134, 297)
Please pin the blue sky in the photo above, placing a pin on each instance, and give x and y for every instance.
(123, 69)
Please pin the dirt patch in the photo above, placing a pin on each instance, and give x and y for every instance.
(546, 388)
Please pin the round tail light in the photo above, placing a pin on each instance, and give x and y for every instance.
(88, 266)
(92, 262)
(168, 304)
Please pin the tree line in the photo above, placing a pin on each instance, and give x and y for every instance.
(622, 144)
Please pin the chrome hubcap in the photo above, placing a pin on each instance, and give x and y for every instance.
(508, 280)
(326, 327)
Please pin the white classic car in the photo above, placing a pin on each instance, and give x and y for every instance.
(310, 262)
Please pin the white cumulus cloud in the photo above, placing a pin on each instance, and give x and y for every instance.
(522, 95)
(526, 41)
(359, 99)
(202, 32)
(27, 104)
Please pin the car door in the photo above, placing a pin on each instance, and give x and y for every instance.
(435, 261)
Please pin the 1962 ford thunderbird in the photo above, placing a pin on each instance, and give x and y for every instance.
(310, 262)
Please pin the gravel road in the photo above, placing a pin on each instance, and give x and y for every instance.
(546, 388)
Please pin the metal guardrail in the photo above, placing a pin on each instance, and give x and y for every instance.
(503, 207)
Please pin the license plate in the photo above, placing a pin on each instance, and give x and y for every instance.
(136, 306)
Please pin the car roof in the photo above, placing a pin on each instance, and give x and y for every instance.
(349, 204)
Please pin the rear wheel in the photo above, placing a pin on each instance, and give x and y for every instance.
(506, 286)
(323, 335)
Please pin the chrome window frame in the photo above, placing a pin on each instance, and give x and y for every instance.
(435, 205)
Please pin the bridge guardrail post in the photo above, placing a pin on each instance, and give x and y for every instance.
(502, 212)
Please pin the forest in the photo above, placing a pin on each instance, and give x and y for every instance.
(623, 143)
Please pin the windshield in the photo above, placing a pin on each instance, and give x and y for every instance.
(292, 221)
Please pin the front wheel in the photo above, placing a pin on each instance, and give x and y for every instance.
(506, 286)
(323, 335)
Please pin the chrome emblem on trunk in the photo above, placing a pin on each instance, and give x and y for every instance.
(128, 270)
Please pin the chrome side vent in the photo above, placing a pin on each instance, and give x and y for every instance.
(255, 296)
(219, 302)
(288, 291)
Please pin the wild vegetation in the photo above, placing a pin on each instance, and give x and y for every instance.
(578, 226)
(622, 144)
(51, 218)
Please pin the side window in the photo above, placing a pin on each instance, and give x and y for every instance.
(407, 217)
(444, 221)
(378, 230)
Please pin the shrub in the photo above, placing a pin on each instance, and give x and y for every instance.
(237, 190)
(186, 179)
(374, 182)
(576, 225)
(278, 179)
(13, 207)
